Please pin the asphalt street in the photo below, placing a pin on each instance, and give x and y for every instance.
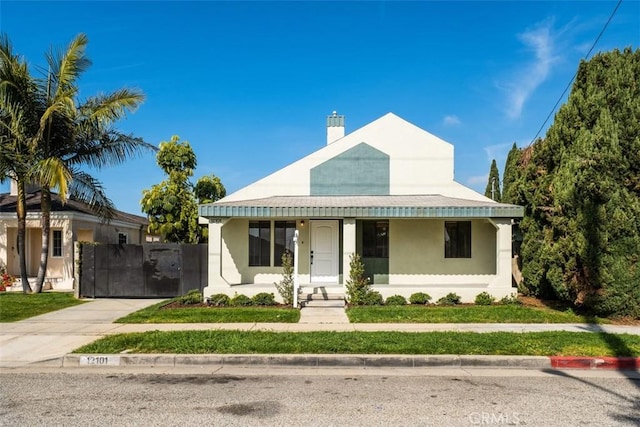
(256, 397)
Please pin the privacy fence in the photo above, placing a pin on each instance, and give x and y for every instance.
(156, 270)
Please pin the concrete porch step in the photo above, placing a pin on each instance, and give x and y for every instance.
(321, 296)
(339, 303)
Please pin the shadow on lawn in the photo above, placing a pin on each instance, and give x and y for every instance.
(620, 349)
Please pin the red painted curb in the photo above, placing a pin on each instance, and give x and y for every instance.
(572, 362)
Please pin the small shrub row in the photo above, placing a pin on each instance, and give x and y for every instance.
(240, 300)
(192, 297)
(421, 298)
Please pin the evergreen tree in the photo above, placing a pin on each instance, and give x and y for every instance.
(511, 176)
(493, 185)
(582, 224)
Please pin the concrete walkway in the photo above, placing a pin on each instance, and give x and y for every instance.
(49, 337)
(323, 315)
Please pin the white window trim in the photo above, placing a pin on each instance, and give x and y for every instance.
(126, 237)
(53, 240)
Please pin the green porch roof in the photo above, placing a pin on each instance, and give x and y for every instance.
(410, 206)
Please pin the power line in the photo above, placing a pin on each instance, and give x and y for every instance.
(576, 73)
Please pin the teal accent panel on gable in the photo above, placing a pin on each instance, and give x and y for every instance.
(359, 171)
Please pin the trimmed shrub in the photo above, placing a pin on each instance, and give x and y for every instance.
(264, 298)
(396, 300)
(484, 298)
(218, 300)
(358, 287)
(194, 296)
(449, 299)
(420, 298)
(372, 298)
(285, 286)
(510, 300)
(240, 300)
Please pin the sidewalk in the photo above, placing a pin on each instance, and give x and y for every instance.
(49, 337)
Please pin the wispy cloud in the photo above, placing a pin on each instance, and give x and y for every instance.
(541, 41)
(451, 120)
(498, 152)
(478, 179)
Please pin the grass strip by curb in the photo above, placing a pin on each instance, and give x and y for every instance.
(328, 342)
(465, 314)
(16, 306)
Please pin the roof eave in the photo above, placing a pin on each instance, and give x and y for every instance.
(240, 211)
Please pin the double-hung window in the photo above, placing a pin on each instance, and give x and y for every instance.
(375, 239)
(284, 232)
(56, 246)
(122, 238)
(457, 239)
(260, 243)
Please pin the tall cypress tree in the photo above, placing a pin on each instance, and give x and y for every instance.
(582, 230)
(493, 185)
(511, 176)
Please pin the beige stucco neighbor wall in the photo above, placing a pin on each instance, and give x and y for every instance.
(74, 227)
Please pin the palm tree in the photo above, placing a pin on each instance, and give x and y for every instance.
(69, 134)
(17, 124)
(74, 134)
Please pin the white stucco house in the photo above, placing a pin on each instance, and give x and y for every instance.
(386, 191)
(71, 222)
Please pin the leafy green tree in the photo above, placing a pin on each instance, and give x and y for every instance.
(171, 205)
(492, 190)
(209, 189)
(582, 224)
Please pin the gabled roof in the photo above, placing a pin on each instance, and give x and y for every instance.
(8, 204)
(404, 206)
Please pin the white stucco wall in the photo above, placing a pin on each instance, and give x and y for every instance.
(420, 163)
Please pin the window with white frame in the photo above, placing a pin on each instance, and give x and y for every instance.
(123, 238)
(457, 239)
(259, 243)
(284, 232)
(56, 240)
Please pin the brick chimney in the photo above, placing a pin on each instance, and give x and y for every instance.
(335, 127)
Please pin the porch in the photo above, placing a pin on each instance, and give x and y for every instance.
(405, 249)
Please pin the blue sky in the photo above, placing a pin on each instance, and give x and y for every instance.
(249, 84)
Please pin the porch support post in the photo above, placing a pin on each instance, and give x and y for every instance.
(348, 245)
(503, 252)
(215, 279)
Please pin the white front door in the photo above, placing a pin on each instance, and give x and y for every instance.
(324, 251)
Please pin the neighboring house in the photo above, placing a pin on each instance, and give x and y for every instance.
(385, 191)
(70, 222)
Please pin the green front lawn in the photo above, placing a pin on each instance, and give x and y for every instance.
(464, 314)
(16, 306)
(260, 342)
(156, 314)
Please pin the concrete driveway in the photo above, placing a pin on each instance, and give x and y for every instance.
(52, 335)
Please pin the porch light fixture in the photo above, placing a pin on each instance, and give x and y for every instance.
(302, 223)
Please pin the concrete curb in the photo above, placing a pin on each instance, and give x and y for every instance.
(619, 363)
(303, 361)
